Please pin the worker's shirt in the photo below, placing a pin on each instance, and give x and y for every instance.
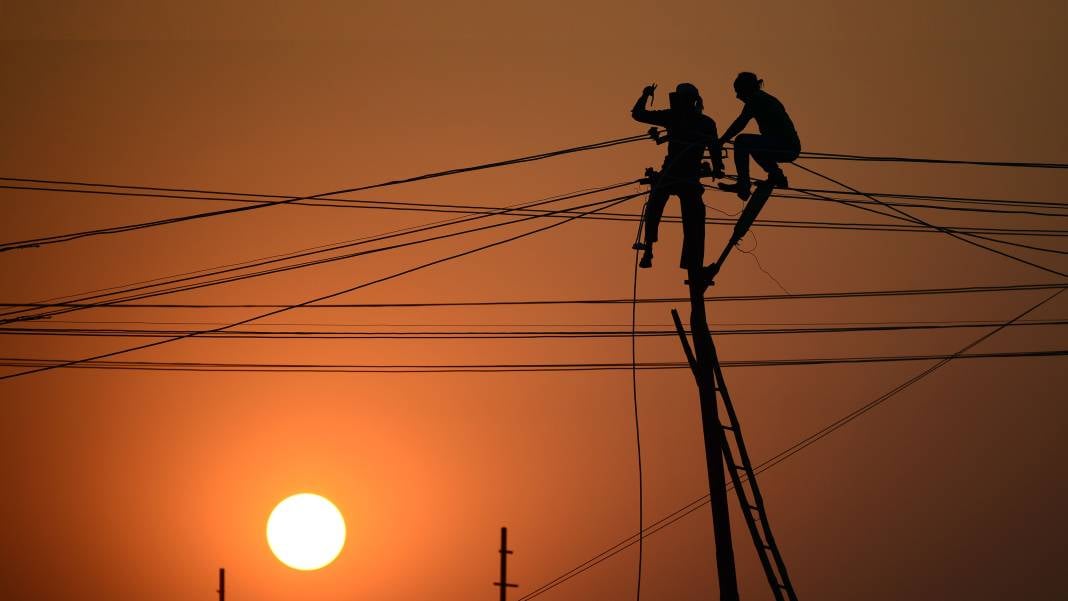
(771, 118)
(688, 136)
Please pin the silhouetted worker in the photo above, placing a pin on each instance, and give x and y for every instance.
(689, 132)
(777, 142)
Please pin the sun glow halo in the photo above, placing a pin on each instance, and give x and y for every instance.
(306, 532)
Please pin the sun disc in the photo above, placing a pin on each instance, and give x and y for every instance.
(306, 531)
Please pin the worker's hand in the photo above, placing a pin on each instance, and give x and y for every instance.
(649, 90)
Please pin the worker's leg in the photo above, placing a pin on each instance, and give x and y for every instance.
(654, 210)
(771, 156)
(744, 145)
(693, 228)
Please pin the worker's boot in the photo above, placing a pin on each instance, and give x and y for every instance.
(740, 187)
(778, 179)
(647, 259)
(709, 273)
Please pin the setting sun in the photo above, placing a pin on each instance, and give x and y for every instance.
(306, 532)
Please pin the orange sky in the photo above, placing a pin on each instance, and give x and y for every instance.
(126, 484)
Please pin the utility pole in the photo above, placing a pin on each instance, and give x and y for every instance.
(504, 584)
(714, 439)
(711, 386)
(222, 584)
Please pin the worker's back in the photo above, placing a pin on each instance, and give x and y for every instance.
(689, 132)
(772, 118)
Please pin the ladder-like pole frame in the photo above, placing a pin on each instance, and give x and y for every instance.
(754, 513)
(714, 440)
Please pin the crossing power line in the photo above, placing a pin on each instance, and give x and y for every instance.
(903, 159)
(42, 364)
(954, 233)
(596, 206)
(433, 175)
(479, 209)
(777, 459)
(184, 282)
(468, 334)
(579, 301)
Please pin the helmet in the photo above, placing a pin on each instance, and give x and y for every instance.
(686, 96)
(747, 81)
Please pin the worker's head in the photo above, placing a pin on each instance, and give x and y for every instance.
(746, 85)
(686, 98)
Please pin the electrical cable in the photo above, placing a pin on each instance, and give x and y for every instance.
(899, 159)
(637, 421)
(202, 366)
(129, 290)
(760, 266)
(587, 301)
(605, 204)
(696, 504)
(959, 235)
(36, 242)
(495, 334)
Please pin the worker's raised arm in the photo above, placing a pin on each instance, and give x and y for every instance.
(738, 125)
(641, 114)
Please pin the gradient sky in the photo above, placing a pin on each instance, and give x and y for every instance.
(123, 485)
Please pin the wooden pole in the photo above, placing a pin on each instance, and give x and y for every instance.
(222, 584)
(713, 438)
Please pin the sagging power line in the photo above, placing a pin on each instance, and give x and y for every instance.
(597, 206)
(42, 364)
(433, 175)
(585, 301)
(498, 335)
(183, 283)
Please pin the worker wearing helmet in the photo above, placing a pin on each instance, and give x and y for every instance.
(777, 143)
(689, 133)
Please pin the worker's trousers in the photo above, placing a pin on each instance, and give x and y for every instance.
(693, 219)
(768, 152)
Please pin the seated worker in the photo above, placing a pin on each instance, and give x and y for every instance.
(777, 143)
(689, 133)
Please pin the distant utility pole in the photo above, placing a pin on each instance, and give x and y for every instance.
(504, 584)
(222, 584)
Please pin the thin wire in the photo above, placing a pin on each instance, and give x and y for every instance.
(488, 334)
(351, 203)
(236, 266)
(944, 199)
(696, 504)
(897, 159)
(605, 205)
(234, 278)
(590, 301)
(951, 232)
(36, 242)
(637, 421)
(194, 366)
(752, 253)
(471, 209)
